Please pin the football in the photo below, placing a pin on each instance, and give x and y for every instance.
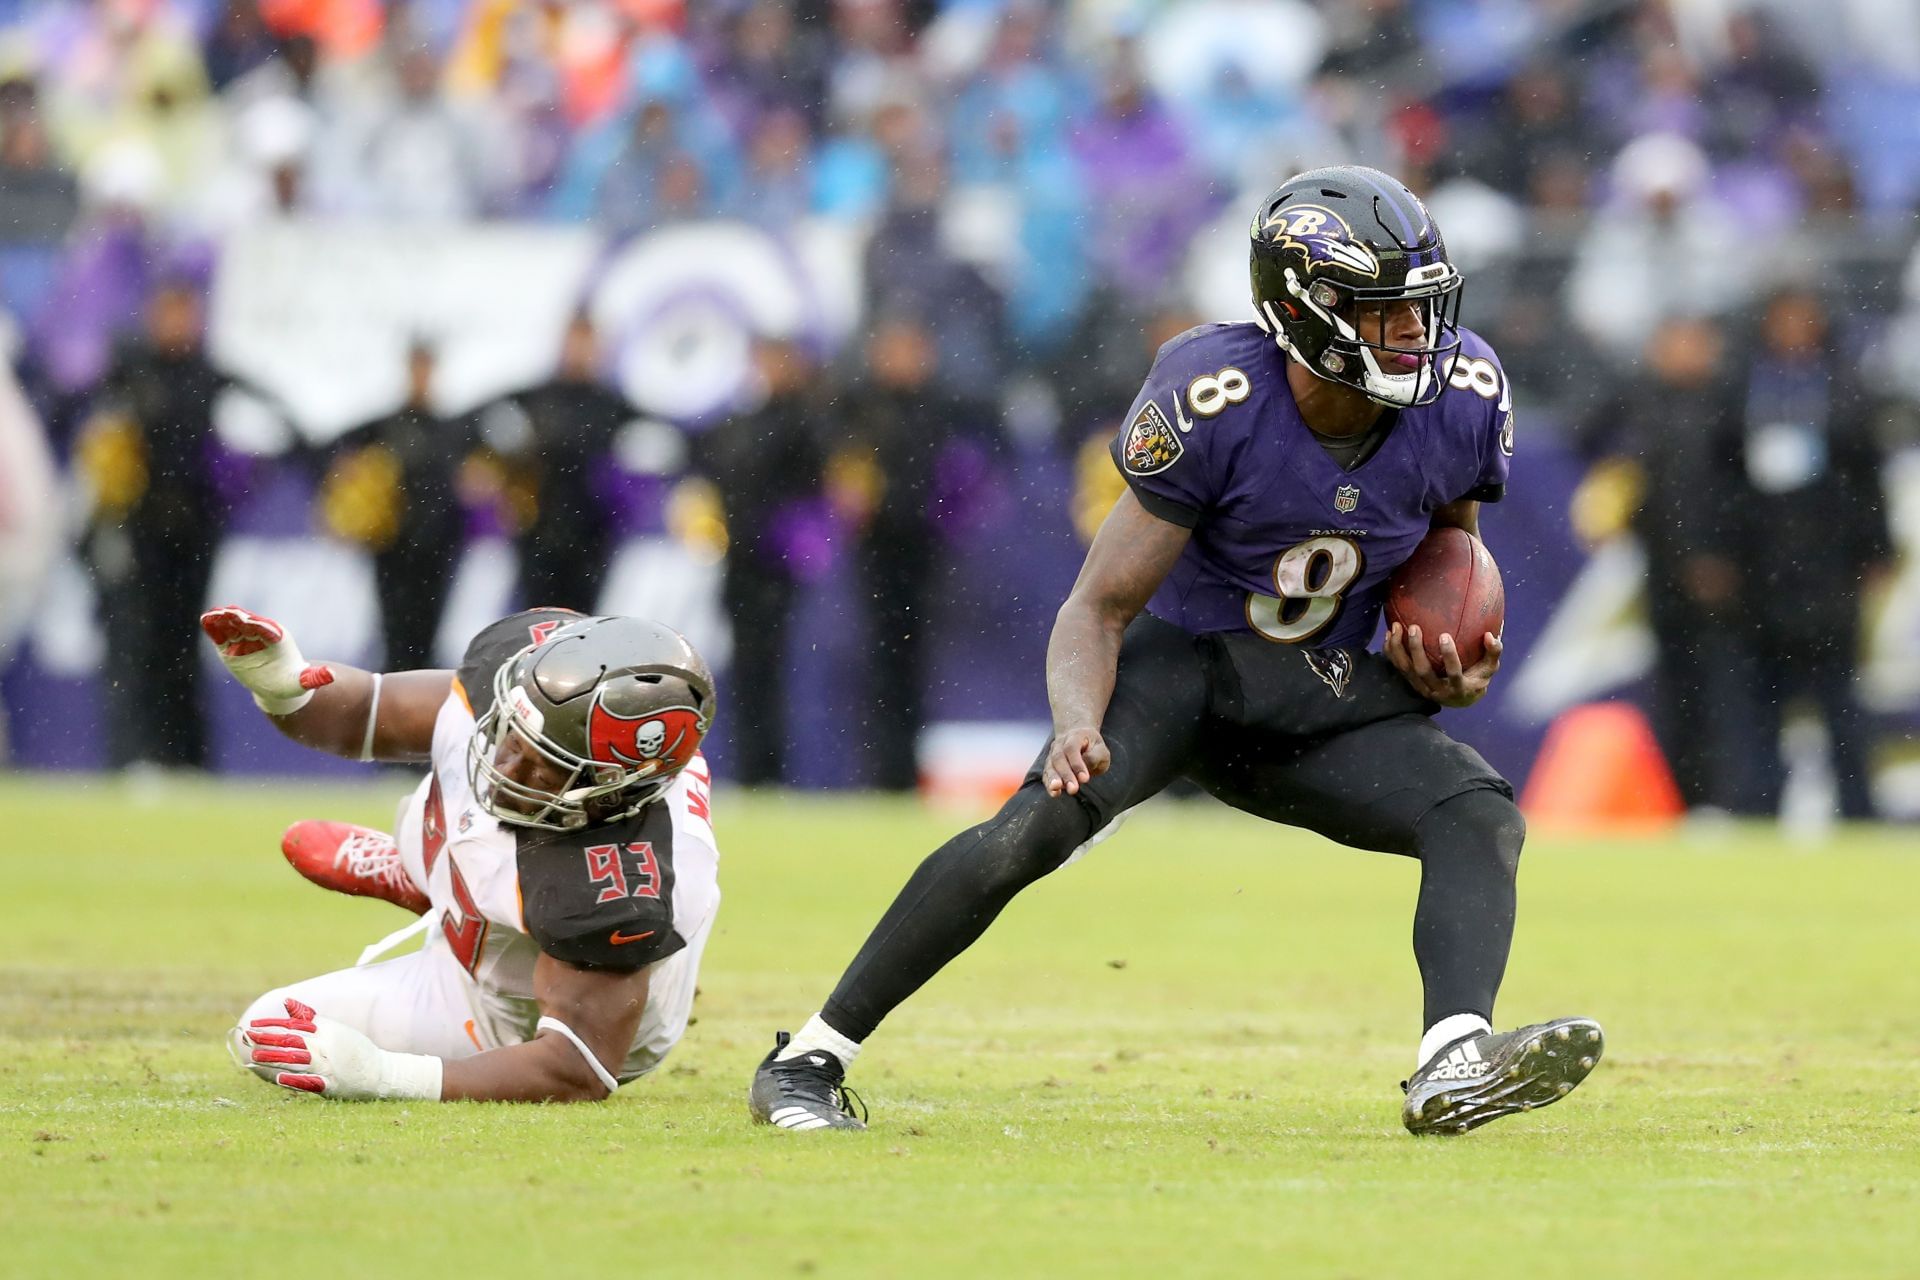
(1449, 586)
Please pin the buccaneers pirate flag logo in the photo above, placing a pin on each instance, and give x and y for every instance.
(657, 742)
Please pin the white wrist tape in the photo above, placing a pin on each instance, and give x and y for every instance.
(273, 676)
(554, 1024)
(283, 706)
(373, 718)
(410, 1075)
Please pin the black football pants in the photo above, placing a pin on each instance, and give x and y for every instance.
(1338, 744)
(152, 629)
(413, 580)
(759, 603)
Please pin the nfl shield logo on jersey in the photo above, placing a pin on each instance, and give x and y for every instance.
(1346, 498)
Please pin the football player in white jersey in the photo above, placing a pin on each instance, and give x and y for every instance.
(559, 852)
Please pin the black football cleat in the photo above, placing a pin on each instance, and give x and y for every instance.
(808, 1091)
(1482, 1078)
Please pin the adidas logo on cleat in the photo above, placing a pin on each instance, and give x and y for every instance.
(1451, 1070)
(1464, 1063)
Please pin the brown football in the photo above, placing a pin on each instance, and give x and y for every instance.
(1449, 586)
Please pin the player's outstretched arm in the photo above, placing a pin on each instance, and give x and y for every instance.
(589, 1019)
(1130, 557)
(329, 706)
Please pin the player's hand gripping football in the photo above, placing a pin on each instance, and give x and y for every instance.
(1073, 757)
(311, 1054)
(1450, 685)
(264, 658)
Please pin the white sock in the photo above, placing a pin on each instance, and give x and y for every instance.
(818, 1037)
(1450, 1028)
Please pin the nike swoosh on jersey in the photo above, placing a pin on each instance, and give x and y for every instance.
(621, 939)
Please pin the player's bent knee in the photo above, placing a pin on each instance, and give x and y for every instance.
(272, 1004)
(1033, 834)
(1484, 821)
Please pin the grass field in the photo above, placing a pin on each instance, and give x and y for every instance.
(1177, 1058)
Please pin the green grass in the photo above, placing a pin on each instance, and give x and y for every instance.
(1176, 1058)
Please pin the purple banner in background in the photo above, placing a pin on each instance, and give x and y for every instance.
(1011, 558)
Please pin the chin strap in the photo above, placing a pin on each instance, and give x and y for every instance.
(1384, 388)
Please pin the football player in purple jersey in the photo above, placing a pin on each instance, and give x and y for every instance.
(1277, 473)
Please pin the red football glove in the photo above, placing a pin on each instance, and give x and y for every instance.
(264, 658)
(311, 1054)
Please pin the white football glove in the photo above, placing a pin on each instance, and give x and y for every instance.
(264, 658)
(311, 1054)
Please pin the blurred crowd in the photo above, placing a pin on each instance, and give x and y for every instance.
(1664, 208)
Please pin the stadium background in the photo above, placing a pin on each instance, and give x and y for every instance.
(1176, 1058)
(1052, 184)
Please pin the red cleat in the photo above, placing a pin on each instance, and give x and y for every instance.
(352, 860)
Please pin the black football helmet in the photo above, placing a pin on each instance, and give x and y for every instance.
(618, 703)
(1330, 241)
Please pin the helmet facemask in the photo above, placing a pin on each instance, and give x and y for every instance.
(1346, 357)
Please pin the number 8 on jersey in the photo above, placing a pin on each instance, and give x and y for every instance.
(1309, 580)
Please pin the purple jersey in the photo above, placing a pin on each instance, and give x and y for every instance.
(1285, 543)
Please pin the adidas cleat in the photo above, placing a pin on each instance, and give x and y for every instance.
(1482, 1078)
(352, 860)
(808, 1091)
